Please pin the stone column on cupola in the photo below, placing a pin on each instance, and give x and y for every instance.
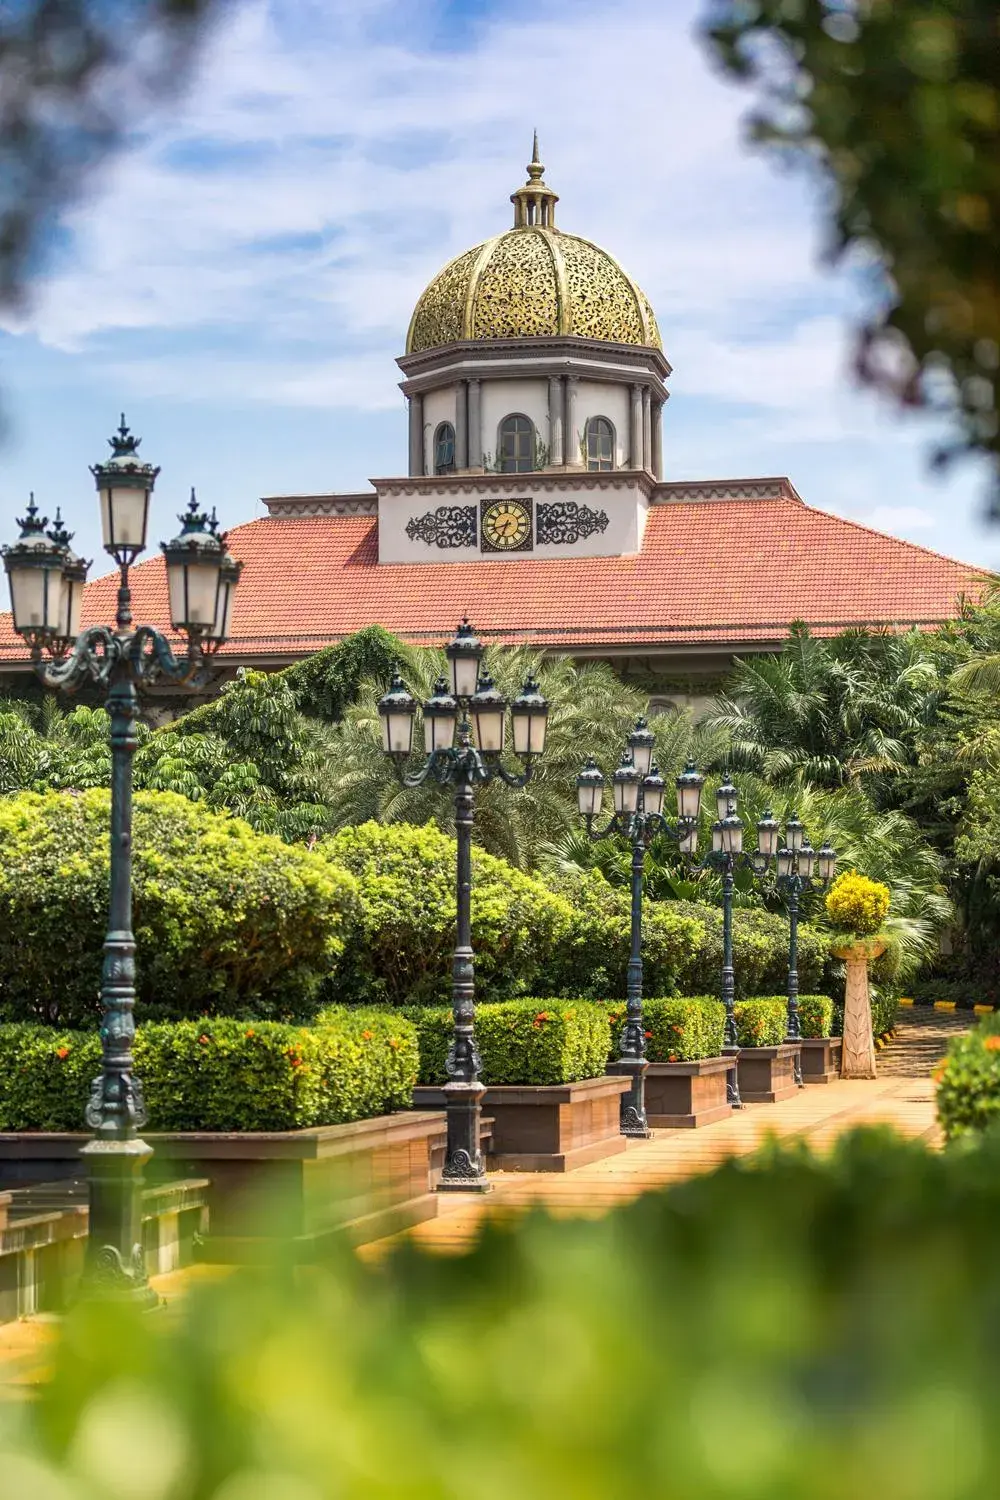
(416, 413)
(462, 425)
(475, 423)
(571, 439)
(635, 428)
(647, 429)
(657, 439)
(556, 458)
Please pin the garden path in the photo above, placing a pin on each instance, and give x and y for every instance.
(817, 1114)
(921, 1040)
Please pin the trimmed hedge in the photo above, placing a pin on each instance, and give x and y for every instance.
(677, 1030)
(402, 949)
(226, 920)
(521, 1041)
(219, 1074)
(968, 1081)
(762, 1022)
(815, 1015)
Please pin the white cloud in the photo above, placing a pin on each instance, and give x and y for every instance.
(899, 518)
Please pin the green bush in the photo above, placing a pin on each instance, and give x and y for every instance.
(680, 1029)
(590, 958)
(968, 1081)
(762, 1022)
(219, 1074)
(226, 920)
(403, 947)
(522, 1041)
(855, 1354)
(45, 1076)
(815, 1015)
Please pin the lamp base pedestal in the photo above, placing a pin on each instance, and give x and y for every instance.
(633, 1104)
(464, 1168)
(115, 1267)
(733, 1077)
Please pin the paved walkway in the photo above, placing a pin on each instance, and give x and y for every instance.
(817, 1113)
(921, 1040)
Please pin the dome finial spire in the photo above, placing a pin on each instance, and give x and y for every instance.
(534, 204)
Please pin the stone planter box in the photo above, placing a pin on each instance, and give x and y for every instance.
(547, 1127)
(766, 1075)
(366, 1179)
(684, 1095)
(821, 1058)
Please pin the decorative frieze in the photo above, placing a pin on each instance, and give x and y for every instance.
(562, 522)
(447, 526)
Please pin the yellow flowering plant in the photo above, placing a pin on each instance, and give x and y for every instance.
(856, 904)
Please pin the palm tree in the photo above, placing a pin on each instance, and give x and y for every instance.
(829, 712)
(591, 712)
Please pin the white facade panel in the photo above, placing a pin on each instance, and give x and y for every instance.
(594, 520)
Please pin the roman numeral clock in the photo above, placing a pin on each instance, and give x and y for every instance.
(505, 525)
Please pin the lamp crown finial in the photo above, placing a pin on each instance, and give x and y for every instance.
(123, 442)
(31, 523)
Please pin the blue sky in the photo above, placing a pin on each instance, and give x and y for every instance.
(241, 278)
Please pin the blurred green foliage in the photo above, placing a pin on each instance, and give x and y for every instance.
(895, 106)
(783, 1329)
(968, 1081)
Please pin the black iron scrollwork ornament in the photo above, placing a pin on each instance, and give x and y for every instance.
(564, 521)
(447, 526)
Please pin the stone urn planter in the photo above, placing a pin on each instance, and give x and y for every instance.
(858, 1055)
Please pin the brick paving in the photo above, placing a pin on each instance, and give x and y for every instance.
(921, 1040)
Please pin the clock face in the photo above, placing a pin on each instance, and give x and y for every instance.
(506, 525)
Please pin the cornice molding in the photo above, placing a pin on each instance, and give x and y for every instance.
(677, 492)
(321, 505)
(617, 480)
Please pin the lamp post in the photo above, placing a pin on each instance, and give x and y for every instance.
(799, 868)
(638, 791)
(727, 855)
(46, 588)
(468, 705)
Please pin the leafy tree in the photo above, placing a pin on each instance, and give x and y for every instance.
(895, 106)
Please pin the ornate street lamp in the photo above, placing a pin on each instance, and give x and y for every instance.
(469, 700)
(798, 868)
(46, 583)
(638, 791)
(727, 855)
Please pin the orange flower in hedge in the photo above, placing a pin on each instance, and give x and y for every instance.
(203, 1040)
(394, 1043)
(366, 1036)
(62, 1052)
(992, 1042)
(672, 1057)
(648, 1035)
(250, 1033)
(940, 1071)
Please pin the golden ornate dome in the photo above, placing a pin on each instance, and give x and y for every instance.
(533, 282)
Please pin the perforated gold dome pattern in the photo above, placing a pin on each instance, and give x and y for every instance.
(532, 282)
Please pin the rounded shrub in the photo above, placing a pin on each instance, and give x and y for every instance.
(227, 921)
(402, 950)
(968, 1082)
(856, 904)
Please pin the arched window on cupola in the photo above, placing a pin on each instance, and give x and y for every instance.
(444, 448)
(516, 445)
(600, 444)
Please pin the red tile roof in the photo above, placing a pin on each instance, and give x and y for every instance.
(709, 572)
